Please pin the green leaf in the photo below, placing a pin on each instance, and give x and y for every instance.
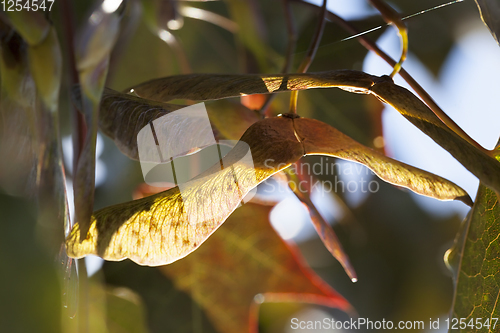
(125, 311)
(490, 14)
(250, 29)
(477, 283)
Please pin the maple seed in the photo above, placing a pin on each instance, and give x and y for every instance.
(158, 230)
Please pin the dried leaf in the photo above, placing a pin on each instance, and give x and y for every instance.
(122, 116)
(218, 86)
(324, 230)
(168, 226)
(202, 87)
(490, 14)
(322, 139)
(244, 248)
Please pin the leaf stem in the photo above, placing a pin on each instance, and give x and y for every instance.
(311, 52)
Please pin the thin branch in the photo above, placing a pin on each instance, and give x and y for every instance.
(78, 120)
(83, 304)
(392, 17)
(370, 45)
(292, 36)
(79, 132)
(290, 50)
(311, 52)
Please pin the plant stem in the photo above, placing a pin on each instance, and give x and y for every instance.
(83, 297)
(78, 120)
(311, 52)
(426, 98)
(79, 133)
(393, 17)
(290, 50)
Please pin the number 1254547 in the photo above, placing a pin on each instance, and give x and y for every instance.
(474, 323)
(27, 5)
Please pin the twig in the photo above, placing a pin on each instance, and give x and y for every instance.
(292, 36)
(290, 50)
(78, 120)
(370, 45)
(311, 52)
(79, 133)
(83, 308)
(393, 17)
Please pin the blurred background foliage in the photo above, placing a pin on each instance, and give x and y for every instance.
(395, 246)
